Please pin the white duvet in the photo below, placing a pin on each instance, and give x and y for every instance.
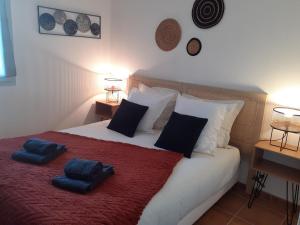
(192, 182)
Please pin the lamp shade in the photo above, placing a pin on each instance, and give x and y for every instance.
(286, 119)
(112, 84)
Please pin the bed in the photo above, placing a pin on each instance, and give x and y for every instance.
(197, 183)
(205, 186)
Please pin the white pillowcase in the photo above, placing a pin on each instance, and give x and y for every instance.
(233, 109)
(166, 114)
(215, 113)
(156, 104)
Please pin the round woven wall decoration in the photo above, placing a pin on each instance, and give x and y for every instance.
(194, 46)
(70, 27)
(207, 13)
(168, 34)
(47, 21)
(83, 22)
(95, 29)
(60, 16)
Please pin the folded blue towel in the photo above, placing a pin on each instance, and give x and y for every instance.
(39, 146)
(82, 186)
(61, 148)
(85, 170)
(27, 157)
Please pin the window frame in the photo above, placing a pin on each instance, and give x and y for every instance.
(9, 77)
(7, 81)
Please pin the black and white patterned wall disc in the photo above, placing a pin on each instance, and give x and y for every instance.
(207, 13)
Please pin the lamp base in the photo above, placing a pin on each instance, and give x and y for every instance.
(112, 96)
(282, 143)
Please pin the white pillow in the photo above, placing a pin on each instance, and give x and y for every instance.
(166, 114)
(215, 113)
(233, 109)
(156, 104)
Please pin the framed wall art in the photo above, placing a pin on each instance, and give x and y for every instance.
(53, 21)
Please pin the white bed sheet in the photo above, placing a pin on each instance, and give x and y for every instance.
(193, 182)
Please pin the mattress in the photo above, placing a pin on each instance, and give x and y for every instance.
(194, 185)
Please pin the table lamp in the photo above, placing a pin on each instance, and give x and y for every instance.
(287, 121)
(112, 88)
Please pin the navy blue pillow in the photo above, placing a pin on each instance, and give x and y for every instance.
(127, 118)
(181, 133)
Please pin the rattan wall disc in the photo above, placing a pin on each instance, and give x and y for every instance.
(208, 13)
(194, 46)
(168, 34)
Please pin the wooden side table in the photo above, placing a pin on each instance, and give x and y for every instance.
(106, 110)
(264, 167)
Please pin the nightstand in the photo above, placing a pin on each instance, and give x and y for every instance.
(264, 168)
(106, 110)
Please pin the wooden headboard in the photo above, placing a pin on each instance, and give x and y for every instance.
(247, 127)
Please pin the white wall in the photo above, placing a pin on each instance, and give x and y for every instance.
(255, 47)
(55, 86)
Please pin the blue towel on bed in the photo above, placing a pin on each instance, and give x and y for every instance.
(39, 146)
(85, 170)
(81, 186)
(27, 157)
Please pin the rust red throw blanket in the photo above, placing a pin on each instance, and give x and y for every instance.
(28, 198)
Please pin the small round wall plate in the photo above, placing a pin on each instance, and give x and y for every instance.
(168, 35)
(47, 21)
(207, 13)
(95, 29)
(193, 47)
(83, 22)
(60, 16)
(70, 27)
